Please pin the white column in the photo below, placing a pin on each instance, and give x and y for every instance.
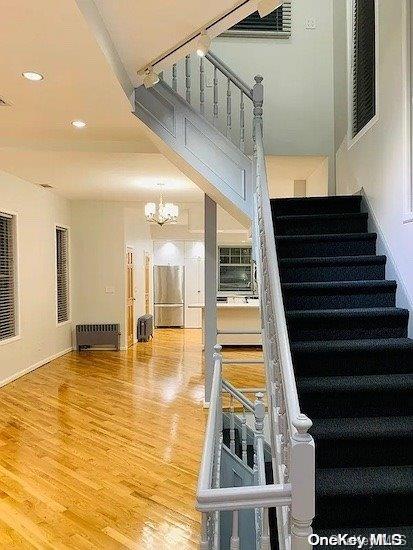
(210, 290)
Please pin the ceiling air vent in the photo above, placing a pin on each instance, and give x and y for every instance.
(3, 103)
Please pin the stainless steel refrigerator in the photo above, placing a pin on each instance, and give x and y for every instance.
(168, 286)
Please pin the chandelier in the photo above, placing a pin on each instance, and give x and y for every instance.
(165, 212)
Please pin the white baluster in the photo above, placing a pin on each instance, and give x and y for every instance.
(265, 537)
(302, 484)
(204, 543)
(215, 112)
(174, 78)
(244, 437)
(258, 100)
(232, 426)
(228, 128)
(188, 78)
(202, 86)
(242, 124)
(234, 541)
(259, 413)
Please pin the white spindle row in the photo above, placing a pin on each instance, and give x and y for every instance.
(210, 96)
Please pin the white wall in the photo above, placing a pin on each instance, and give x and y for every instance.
(38, 211)
(101, 233)
(298, 81)
(282, 171)
(377, 162)
(317, 181)
(98, 263)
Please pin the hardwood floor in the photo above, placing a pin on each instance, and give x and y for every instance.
(102, 449)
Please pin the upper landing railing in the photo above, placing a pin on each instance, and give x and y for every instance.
(236, 110)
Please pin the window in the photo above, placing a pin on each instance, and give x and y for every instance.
(62, 274)
(8, 325)
(275, 25)
(235, 269)
(363, 64)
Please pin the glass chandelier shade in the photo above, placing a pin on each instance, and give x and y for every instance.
(163, 213)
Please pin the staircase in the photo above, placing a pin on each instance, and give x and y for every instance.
(353, 364)
(335, 345)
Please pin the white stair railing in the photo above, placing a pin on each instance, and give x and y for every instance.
(292, 447)
(213, 499)
(294, 456)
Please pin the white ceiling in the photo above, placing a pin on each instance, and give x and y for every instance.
(52, 37)
(113, 158)
(101, 175)
(141, 31)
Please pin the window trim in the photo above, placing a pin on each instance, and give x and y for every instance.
(352, 140)
(69, 293)
(407, 51)
(18, 335)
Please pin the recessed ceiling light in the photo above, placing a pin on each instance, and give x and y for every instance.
(78, 123)
(33, 76)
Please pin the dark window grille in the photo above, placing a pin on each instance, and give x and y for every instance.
(364, 63)
(62, 274)
(277, 24)
(7, 278)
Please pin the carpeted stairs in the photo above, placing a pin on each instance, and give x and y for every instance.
(353, 362)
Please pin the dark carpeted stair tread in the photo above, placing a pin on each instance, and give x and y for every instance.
(320, 224)
(339, 294)
(341, 357)
(356, 396)
(337, 346)
(362, 286)
(373, 481)
(321, 205)
(330, 268)
(347, 324)
(368, 441)
(377, 427)
(308, 239)
(326, 245)
(333, 261)
(359, 384)
(376, 495)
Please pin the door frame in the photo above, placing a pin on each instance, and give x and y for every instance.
(130, 249)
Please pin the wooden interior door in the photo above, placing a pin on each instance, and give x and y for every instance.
(147, 279)
(130, 297)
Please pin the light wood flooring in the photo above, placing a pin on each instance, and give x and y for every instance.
(102, 449)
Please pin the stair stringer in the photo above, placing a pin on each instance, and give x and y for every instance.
(198, 149)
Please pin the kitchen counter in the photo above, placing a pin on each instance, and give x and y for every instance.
(230, 318)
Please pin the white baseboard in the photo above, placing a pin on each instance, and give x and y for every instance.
(21, 373)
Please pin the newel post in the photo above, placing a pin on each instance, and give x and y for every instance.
(258, 100)
(302, 478)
